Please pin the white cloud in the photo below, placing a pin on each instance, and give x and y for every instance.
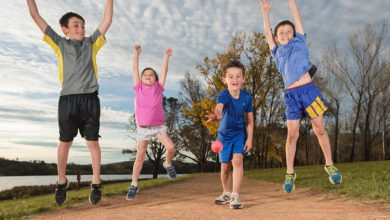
(194, 29)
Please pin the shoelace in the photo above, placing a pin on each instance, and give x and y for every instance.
(235, 199)
(133, 189)
(289, 178)
(333, 170)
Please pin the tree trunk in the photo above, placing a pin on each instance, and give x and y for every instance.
(352, 156)
(384, 140)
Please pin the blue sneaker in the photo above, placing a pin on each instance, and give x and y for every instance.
(132, 192)
(171, 171)
(334, 174)
(289, 185)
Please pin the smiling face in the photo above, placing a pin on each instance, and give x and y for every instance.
(234, 78)
(75, 29)
(284, 34)
(148, 77)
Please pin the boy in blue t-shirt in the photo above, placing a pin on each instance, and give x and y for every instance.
(288, 47)
(232, 103)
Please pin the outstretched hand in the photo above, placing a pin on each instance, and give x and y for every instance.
(212, 116)
(137, 49)
(265, 5)
(169, 52)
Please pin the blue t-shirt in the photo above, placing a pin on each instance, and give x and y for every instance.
(292, 59)
(232, 123)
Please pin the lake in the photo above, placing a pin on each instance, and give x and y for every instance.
(8, 182)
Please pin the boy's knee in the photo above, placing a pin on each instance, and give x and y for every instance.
(93, 144)
(237, 161)
(225, 169)
(63, 144)
(319, 131)
(292, 136)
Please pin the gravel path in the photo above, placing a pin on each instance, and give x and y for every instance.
(194, 199)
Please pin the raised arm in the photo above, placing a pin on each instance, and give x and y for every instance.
(36, 16)
(164, 70)
(265, 8)
(137, 51)
(215, 115)
(297, 17)
(107, 17)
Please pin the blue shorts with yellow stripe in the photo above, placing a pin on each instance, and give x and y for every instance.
(303, 101)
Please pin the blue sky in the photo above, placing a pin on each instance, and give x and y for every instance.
(29, 84)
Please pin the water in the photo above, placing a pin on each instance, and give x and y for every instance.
(8, 182)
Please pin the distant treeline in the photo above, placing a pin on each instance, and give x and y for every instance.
(24, 168)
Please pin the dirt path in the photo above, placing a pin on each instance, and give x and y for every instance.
(194, 199)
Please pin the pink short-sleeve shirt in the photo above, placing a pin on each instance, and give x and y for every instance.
(148, 104)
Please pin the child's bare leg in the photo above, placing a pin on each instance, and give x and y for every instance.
(238, 171)
(225, 176)
(62, 159)
(169, 146)
(323, 138)
(291, 143)
(139, 160)
(94, 149)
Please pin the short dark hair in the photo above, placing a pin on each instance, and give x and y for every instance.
(286, 22)
(148, 68)
(64, 20)
(236, 64)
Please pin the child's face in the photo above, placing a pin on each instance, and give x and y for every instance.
(75, 29)
(233, 78)
(285, 34)
(148, 77)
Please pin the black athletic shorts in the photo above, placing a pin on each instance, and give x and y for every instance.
(79, 111)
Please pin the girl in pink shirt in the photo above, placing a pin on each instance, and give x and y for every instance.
(149, 114)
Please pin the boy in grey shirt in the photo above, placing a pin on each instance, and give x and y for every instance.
(79, 105)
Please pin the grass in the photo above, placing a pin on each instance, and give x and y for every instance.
(361, 179)
(10, 209)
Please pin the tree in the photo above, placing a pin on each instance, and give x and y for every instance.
(333, 90)
(363, 77)
(194, 137)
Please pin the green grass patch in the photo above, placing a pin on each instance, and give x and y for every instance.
(361, 179)
(17, 208)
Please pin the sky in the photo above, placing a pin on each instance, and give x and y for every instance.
(29, 82)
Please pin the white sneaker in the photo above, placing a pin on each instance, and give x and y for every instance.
(235, 201)
(223, 198)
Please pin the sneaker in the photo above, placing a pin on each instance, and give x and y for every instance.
(334, 174)
(132, 192)
(171, 171)
(223, 198)
(96, 194)
(60, 194)
(235, 201)
(289, 185)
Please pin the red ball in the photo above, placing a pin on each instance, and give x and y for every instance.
(216, 146)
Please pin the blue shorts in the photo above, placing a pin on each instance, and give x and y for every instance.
(303, 101)
(235, 146)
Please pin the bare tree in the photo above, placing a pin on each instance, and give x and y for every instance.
(333, 90)
(363, 76)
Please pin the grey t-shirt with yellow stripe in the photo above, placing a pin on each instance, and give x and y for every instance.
(77, 61)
